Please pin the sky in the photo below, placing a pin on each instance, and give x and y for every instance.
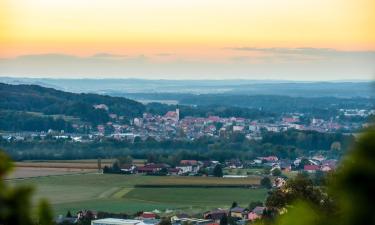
(194, 39)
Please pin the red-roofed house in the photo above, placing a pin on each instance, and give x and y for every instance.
(148, 215)
(189, 162)
(311, 168)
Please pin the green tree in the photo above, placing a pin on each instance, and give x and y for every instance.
(45, 213)
(348, 201)
(125, 160)
(69, 214)
(276, 172)
(15, 202)
(165, 221)
(218, 171)
(224, 220)
(252, 205)
(266, 182)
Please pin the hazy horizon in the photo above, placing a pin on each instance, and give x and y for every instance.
(6, 77)
(198, 39)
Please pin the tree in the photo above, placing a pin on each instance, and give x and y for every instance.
(349, 199)
(165, 221)
(224, 220)
(116, 167)
(276, 172)
(45, 213)
(266, 182)
(69, 214)
(252, 205)
(234, 205)
(336, 146)
(266, 170)
(218, 171)
(319, 178)
(303, 163)
(125, 160)
(15, 202)
(299, 188)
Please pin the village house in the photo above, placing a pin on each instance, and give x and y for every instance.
(147, 215)
(152, 168)
(215, 215)
(238, 212)
(311, 168)
(188, 166)
(113, 221)
(128, 168)
(256, 213)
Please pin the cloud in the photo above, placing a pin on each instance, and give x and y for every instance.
(165, 54)
(108, 55)
(306, 51)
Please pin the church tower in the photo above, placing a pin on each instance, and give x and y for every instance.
(177, 113)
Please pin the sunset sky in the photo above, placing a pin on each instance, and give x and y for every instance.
(188, 39)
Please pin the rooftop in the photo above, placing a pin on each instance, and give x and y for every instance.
(113, 221)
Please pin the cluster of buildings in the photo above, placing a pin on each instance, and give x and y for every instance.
(185, 167)
(238, 214)
(196, 167)
(172, 126)
(357, 112)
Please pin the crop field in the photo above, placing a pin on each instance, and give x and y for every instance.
(247, 171)
(27, 172)
(121, 193)
(80, 164)
(40, 168)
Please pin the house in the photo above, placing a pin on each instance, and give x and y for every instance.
(311, 168)
(87, 214)
(193, 221)
(325, 168)
(189, 162)
(238, 212)
(269, 159)
(256, 213)
(188, 166)
(234, 164)
(147, 215)
(113, 221)
(152, 168)
(215, 215)
(330, 163)
(128, 168)
(285, 165)
(174, 171)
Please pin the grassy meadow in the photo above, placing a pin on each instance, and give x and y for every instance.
(118, 193)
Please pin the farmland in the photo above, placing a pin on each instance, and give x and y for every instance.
(121, 193)
(41, 168)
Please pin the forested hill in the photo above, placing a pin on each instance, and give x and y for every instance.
(33, 98)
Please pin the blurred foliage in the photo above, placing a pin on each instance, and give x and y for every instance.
(15, 202)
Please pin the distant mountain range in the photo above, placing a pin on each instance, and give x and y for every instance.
(119, 87)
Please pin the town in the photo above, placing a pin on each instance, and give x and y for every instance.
(172, 127)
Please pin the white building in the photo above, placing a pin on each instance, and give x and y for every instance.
(112, 221)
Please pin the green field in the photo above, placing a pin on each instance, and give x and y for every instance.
(117, 193)
(247, 171)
